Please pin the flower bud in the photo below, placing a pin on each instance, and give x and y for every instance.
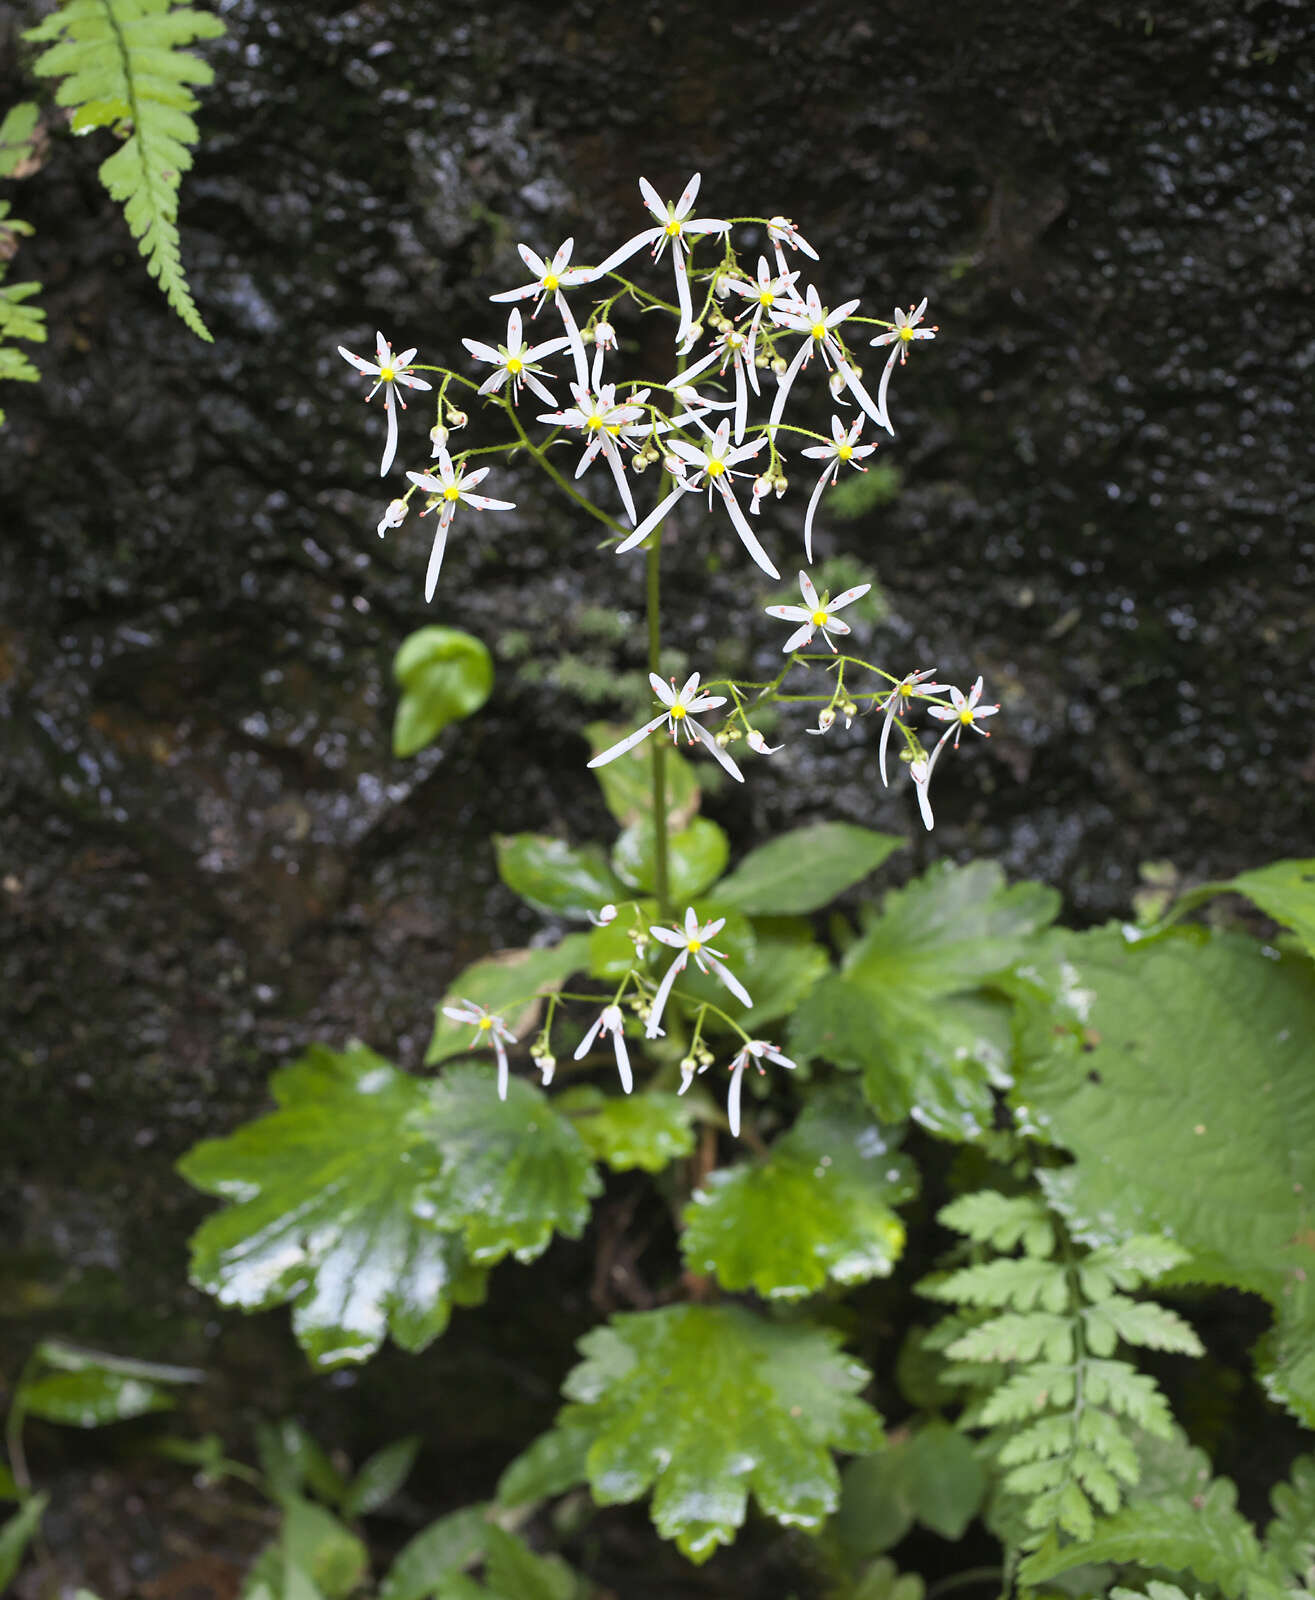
(687, 393)
(439, 435)
(457, 419)
(780, 483)
(762, 359)
(824, 721)
(673, 465)
(694, 335)
(779, 365)
(605, 335)
(639, 463)
(393, 517)
(721, 285)
(757, 743)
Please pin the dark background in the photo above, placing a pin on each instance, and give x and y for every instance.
(210, 856)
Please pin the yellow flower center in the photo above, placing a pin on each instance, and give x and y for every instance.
(485, 1023)
(820, 618)
(845, 451)
(767, 298)
(515, 364)
(387, 374)
(452, 492)
(614, 428)
(906, 689)
(715, 468)
(694, 946)
(551, 282)
(819, 330)
(672, 229)
(593, 423)
(906, 333)
(966, 717)
(677, 712)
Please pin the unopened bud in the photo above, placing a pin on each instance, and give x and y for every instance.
(762, 359)
(780, 483)
(604, 335)
(756, 742)
(688, 393)
(438, 435)
(762, 487)
(458, 419)
(639, 463)
(824, 721)
(721, 285)
(705, 1056)
(694, 335)
(393, 517)
(779, 364)
(673, 465)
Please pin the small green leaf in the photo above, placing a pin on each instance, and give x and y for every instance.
(443, 1548)
(321, 1195)
(91, 1398)
(382, 1475)
(1290, 1537)
(783, 966)
(696, 858)
(16, 136)
(555, 876)
(626, 782)
(648, 1130)
(290, 1460)
(444, 675)
(805, 869)
(15, 1533)
(554, 1463)
(875, 1510)
(818, 1207)
(514, 1170)
(1284, 890)
(946, 1481)
(514, 1572)
(314, 1543)
(507, 983)
(704, 1404)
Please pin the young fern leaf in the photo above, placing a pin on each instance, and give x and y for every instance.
(18, 320)
(1033, 1343)
(123, 65)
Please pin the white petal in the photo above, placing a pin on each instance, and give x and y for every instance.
(689, 195)
(628, 743)
(848, 597)
(652, 519)
(586, 1044)
(390, 444)
(747, 537)
(733, 1098)
(625, 251)
(436, 557)
(622, 1059)
(730, 980)
(798, 639)
(808, 591)
(669, 977)
(785, 381)
(715, 749)
(653, 200)
(360, 364)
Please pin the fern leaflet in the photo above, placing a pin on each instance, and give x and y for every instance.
(123, 65)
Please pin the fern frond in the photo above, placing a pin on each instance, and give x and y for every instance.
(1154, 1590)
(123, 64)
(18, 320)
(1129, 1265)
(1021, 1284)
(1119, 1387)
(1139, 1322)
(1017, 1336)
(1003, 1221)
(1290, 1537)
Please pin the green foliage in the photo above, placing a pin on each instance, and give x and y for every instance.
(16, 1532)
(696, 858)
(314, 1557)
(647, 1129)
(90, 1388)
(818, 1207)
(436, 1553)
(625, 781)
(705, 1404)
(806, 869)
(1192, 1110)
(16, 135)
(124, 65)
(931, 1476)
(1061, 1411)
(444, 675)
(911, 1009)
(507, 983)
(556, 877)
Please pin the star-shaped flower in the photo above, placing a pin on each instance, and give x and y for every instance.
(762, 296)
(550, 278)
(678, 712)
(390, 371)
(815, 614)
(692, 941)
(731, 347)
(674, 223)
(810, 317)
(781, 231)
(714, 466)
(910, 687)
(603, 424)
(610, 1020)
(490, 1032)
(451, 485)
(963, 713)
(843, 447)
(514, 362)
(905, 331)
(756, 1051)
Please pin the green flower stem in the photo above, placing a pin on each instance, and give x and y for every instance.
(564, 484)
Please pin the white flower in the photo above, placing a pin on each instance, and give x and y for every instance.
(674, 222)
(490, 1030)
(843, 447)
(514, 362)
(394, 516)
(692, 941)
(452, 485)
(438, 437)
(610, 1021)
(678, 713)
(810, 317)
(825, 720)
(714, 465)
(757, 743)
(906, 329)
(963, 713)
(896, 703)
(781, 231)
(762, 296)
(604, 335)
(603, 917)
(550, 278)
(815, 614)
(390, 370)
(757, 1051)
(920, 772)
(731, 346)
(603, 424)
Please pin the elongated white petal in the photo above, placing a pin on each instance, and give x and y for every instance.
(703, 734)
(532, 383)
(622, 1058)
(359, 362)
(628, 249)
(501, 1054)
(798, 639)
(628, 743)
(668, 936)
(669, 977)
(835, 625)
(876, 409)
(785, 381)
(702, 225)
(436, 557)
(682, 291)
(747, 537)
(537, 264)
(733, 1098)
(808, 591)
(516, 294)
(662, 689)
(730, 980)
(483, 352)
(467, 1011)
(484, 502)
(586, 1044)
(848, 596)
(653, 200)
(789, 613)
(652, 519)
(891, 359)
(619, 473)
(390, 444)
(688, 195)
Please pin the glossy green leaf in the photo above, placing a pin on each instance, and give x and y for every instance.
(381, 1476)
(444, 675)
(506, 983)
(514, 1170)
(290, 1460)
(705, 1404)
(554, 1463)
(875, 1510)
(783, 966)
(444, 1547)
(91, 1399)
(881, 1580)
(696, 858)
(512, 1571)
(820, 1206)
(626, 782)
(1192, 1111)
(648, 1130)
(947, 1482)
(322, 1195)
(555, 876)
(15, 1534)
(314, 1557)
(805, 869)
(611, 949)
(1284, 890)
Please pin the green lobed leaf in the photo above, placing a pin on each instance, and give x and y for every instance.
(1284, 890)
(15, 1533)
(805, 869)
(818, 1207)
(321, 1210)
(507, 983)
(513, 1572)
(706, 1404)
(1192, 1111)
(444, 675)
(1290, 1537)
(782, 967)
(648, 1130)
(932, 1476)
(381, 1476)
(626, 782)
(554, 1463)
(514, 1171)
(555, 876)
(696, 858)
(443, 1548)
